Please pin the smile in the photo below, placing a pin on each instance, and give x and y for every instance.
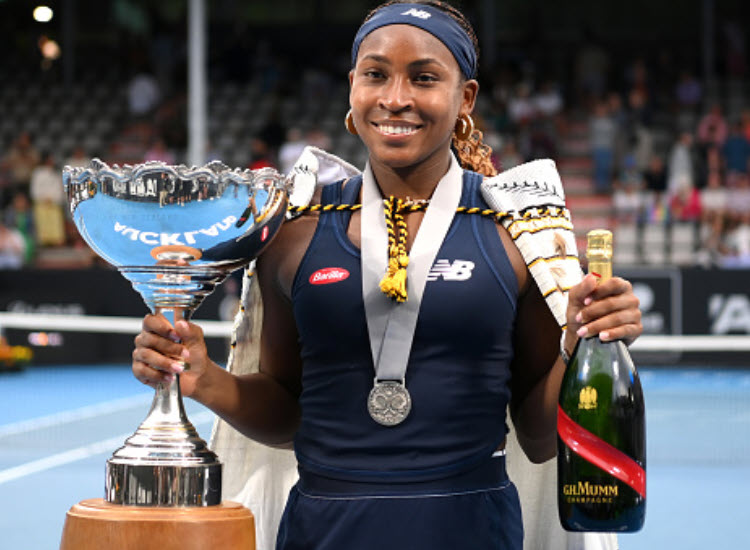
(396, 130)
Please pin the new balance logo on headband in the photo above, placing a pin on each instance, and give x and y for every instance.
(459, 270)
(417, 13)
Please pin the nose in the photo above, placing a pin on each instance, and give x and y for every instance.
(396, 95)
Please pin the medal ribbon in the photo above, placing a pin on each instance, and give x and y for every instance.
(391, 324)
(600, 453)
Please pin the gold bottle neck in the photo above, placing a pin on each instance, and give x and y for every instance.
(599, 254)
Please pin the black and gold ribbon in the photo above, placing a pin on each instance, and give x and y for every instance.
(393, 283)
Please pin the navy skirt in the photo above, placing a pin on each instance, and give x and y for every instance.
(475, 509)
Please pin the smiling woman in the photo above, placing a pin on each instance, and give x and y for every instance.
(396, 401)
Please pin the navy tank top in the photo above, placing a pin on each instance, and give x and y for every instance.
(459, 368)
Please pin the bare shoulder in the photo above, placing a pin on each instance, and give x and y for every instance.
(516, 259)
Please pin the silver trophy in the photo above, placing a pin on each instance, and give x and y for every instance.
(175, 233)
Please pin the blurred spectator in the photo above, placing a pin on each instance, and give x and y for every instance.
(738, 203)
(522, 113)
(638, 93)
(736, 150)
(158, 151)
(714, 198)
(319, 138)
(602, 134)
(509, 155)
(637, 78)
(521, 107)
(688, 91)
(18, 216)
(259, 155)
(683, 162)
(495, 142)
(11, 248)
(639, 107)
(622, 120)
(548, 101)
(592, 66)
(736, 246)
(745, 120)
(291, 149)
(143, 94)
(628, 204)
(655, 175)
(685, 203)
(714, 162)
(712, 128)
(78, 158)
(48, 202)
(655, 187)
(628, 199)
(20, 161)
(640, 146)
(542, 139)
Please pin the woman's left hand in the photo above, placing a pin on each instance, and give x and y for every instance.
(609, 309)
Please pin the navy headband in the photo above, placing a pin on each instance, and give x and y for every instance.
(436, 22)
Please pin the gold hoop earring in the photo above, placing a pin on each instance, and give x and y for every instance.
(349, 123)
(464, 127)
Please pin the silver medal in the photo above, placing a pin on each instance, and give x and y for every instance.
(389, 402)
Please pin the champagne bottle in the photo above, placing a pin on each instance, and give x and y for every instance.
(601, 461)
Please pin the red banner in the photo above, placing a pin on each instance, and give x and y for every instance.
(600, 453)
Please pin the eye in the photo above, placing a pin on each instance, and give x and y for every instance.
(425, 78)
(373, 74)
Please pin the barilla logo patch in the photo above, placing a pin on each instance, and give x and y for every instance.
(329, 275)
(414, 12)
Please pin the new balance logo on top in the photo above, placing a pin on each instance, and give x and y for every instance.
(417, 13)
(459, 270)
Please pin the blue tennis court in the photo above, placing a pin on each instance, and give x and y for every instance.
(58, 426)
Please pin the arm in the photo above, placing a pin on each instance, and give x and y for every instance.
(261, 405)
(609, 309)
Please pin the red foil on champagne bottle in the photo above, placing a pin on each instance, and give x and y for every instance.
(600, 453)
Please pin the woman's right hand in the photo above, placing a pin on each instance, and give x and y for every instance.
(160, 348)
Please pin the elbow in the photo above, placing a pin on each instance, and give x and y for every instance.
(538, 450)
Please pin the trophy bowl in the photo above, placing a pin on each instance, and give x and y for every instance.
(175, 232)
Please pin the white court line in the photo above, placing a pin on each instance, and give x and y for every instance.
(89, 411)
(80, 453)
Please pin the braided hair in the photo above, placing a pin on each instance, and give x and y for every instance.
(472, 152)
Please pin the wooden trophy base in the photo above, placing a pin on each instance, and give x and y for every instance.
(94, 524)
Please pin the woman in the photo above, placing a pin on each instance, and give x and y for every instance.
(415, 458)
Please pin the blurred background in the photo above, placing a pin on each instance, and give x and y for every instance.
(644, 106)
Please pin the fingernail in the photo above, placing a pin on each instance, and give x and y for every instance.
(579, 317)
(182, 324)
(587, 300)
(169, 378)
(604, 336)
(582, 332)
(174, 336)
(185, 354)
(177, 367)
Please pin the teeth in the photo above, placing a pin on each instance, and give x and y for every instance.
(398, 130)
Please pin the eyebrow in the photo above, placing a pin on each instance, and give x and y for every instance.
(418, 63)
